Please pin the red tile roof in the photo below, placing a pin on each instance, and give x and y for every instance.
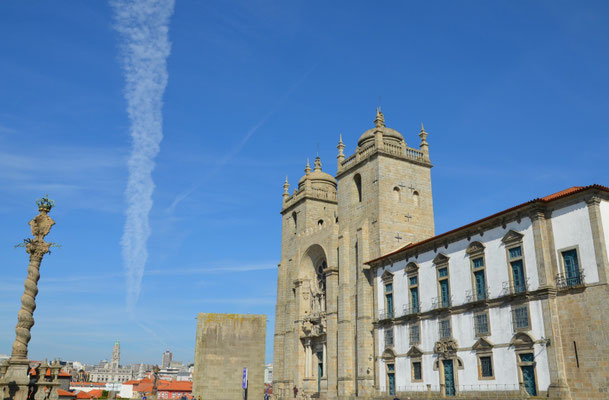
(65, 393)
(546, 199)
(83, 395)
(62, 374)
(88, 384)
(175, 386)
(96, 393)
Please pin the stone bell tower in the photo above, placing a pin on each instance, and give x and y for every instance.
(307, 289)
(384, 202)
(380, 200)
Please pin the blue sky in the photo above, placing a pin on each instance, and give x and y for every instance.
(513, 95)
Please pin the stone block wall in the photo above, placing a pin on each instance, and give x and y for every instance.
(225, 344)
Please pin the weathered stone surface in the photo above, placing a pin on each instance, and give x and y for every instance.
(225, 344)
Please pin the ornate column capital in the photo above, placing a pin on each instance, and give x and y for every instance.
(593, 200)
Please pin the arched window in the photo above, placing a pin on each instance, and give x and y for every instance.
(358, 185)
(320, 223)
(415, 198)
(294, 217)
(396, 194)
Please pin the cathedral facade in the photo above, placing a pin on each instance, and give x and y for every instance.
(379, 200)
(372, 304)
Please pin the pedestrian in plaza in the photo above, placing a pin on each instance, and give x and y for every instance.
(295, 391)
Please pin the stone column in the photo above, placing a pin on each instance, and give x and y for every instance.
(543, 237)
(546, 269)
(365, 341)
(598, 237)
(331, 330)
(346, 331)
(307, 358)
(324, 360)
(297, 349)
(16, 381)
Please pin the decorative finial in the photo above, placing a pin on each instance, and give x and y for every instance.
(45, 204)
(380, 118)
(423, 135)
(307, 168)
(286, 186)
(340, 138)
(317, 163)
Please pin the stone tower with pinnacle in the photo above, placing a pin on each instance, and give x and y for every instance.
(116, 356)
(379, 200)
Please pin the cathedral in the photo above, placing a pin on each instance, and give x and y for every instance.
(372, 304)
(330, 226)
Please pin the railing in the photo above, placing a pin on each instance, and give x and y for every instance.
(383, 315)
(411, 309)
(414, 153)
(474, 295)
(441, 302)
(391, 148)
(313, 192)
(563, 281)
(481, 387)
(510, 287)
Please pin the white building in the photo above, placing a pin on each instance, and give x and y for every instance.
(268, 374)
(505, 304)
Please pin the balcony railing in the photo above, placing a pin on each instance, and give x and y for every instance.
(511, 287)
(441, 302)
(385, 314)
(411, 309)
(563, 281)
(473, 295)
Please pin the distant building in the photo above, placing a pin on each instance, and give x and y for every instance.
(268, 373)
(112, 371)
(167, 357)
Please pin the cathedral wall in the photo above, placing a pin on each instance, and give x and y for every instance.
(405, 203)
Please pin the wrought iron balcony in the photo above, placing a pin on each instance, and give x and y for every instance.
(511, 287)
(385, 314)
(563, 281)
(473, 295)
(441, 302)
(411, 309)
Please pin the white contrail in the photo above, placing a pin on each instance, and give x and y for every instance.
(143, 26)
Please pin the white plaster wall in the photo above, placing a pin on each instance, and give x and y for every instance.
(500, 318)
(571, 227)
(126, 391)
(604, 206)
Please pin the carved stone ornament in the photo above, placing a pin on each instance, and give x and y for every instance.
(446, 348)
(387, 277)
(512, 237)
(475, 248)
(414, 352)
(411, 267)
(482, 345)
(441, 258)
